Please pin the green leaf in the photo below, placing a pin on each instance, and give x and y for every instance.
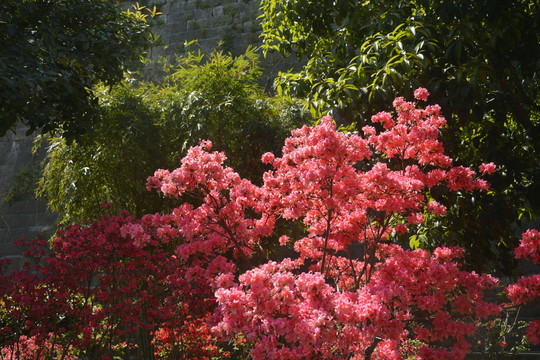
(414, 242)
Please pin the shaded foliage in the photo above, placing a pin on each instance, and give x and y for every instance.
(53, 52)
(111, 164)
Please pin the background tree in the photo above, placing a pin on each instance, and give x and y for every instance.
(479, 60)
(144, 127)
(53, 52)
(110, 164)
(222, 101)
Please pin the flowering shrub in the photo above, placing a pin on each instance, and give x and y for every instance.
(96, 291)
(35, 348)
(348, 291)
(191, 339)
(348, 284)
(527, 289)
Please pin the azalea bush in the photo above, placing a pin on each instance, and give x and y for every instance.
(348, 280)
(96, 295)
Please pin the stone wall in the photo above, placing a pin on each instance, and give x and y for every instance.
(21, 215)
(227, 25)
(232, 24)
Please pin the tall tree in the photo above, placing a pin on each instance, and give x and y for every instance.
(53, 51)
(478, 58)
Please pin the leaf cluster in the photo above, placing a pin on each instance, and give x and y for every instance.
(24, 185)
(380, 48)
(52, 53)
(110, 165)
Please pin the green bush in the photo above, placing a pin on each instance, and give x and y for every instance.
(146, 126)
(222, 101)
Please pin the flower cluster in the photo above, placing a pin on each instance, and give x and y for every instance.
(336, 203)
(222, 221)
(190, 339)
(411, 295)
(533, 332)
(94, 290)
(35, 348)
(527, 289)
(529, 247)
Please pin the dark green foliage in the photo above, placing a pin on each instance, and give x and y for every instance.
(478, 59)
(52, 52)
(501, 338)
(364, 53)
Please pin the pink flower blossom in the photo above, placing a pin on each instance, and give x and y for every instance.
(436, 208)
(268, 158)
(487, 168)
(533, 332)
(421, 94)
(201, 273)
(283, 240)
(529, 247)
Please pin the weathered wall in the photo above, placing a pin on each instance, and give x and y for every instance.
(22, 216)
(231, 23)
(228, 25)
